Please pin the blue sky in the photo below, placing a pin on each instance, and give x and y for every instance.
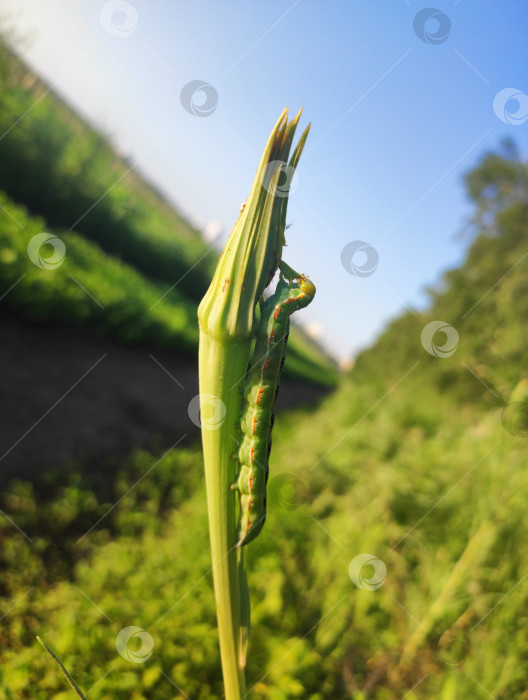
(401, 107)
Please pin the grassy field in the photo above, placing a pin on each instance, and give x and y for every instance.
(418, 460)
(437, 496)
(64, 171)
(88, 288)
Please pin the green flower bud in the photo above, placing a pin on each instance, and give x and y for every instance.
(254, 248)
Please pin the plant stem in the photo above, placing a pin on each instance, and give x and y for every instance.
(63, 669)
(222, 371)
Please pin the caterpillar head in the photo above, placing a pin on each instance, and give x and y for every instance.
(306, 286)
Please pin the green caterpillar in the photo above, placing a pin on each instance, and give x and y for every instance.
(260, 391)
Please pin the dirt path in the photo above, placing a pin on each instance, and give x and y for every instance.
(67, 396)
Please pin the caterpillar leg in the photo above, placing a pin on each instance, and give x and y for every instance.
(238, 484)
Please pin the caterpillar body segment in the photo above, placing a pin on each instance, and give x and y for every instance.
(260, 392)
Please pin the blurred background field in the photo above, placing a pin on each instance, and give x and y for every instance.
(415, 459)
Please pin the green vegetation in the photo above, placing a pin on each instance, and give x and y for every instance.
(67, 173)
(412, 460)
(89, 288)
